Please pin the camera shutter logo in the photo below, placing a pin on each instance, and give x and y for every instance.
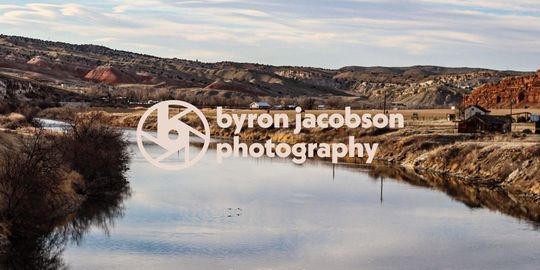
(172, 145)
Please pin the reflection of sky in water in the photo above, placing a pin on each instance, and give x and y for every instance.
(52, 124)
(297, 217)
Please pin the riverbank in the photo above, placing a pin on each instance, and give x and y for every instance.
(429, 146)
(60, 193)
(46, 174)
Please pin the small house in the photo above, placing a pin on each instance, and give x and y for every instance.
(261, 105)
(472, 111)
(483, 123)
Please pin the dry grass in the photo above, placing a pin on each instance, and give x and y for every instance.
(430, 143)
(13, 121)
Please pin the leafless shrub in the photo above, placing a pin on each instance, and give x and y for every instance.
(98, 152)
(29, 113)
(306, 103)
(335, 103)
(28, 175)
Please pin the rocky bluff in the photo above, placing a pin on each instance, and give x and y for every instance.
(524, 91)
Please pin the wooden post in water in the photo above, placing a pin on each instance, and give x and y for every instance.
(382, 180)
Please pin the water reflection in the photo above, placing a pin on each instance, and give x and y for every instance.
(269, 213)
(477, 196)
(44, 250)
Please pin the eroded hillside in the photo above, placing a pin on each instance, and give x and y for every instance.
(100, 71)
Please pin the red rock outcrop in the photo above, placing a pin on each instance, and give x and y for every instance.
(524, 91)
(110, 75)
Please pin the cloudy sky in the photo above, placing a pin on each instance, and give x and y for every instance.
(485, 33)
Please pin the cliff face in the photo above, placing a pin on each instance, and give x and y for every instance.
(419, 86)
(15, 92)
(524, 91)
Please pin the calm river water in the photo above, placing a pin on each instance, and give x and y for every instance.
(271, 214)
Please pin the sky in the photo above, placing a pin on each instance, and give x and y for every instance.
(494, 34)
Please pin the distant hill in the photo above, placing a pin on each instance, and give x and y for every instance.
(98, 70)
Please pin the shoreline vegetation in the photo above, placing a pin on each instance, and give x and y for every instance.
(85, 164)
(48, 175)
(508, 162)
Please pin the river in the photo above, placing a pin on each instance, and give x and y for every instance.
(265, 213)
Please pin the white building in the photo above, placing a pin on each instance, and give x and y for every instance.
(260, 105)
(472, 111)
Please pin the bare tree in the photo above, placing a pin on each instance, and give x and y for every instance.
(28, 175)
(307, 103)
(98, 152)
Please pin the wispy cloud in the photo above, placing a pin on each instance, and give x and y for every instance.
(365, 32)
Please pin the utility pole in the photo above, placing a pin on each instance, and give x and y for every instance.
(384, 104)
(511, 101)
